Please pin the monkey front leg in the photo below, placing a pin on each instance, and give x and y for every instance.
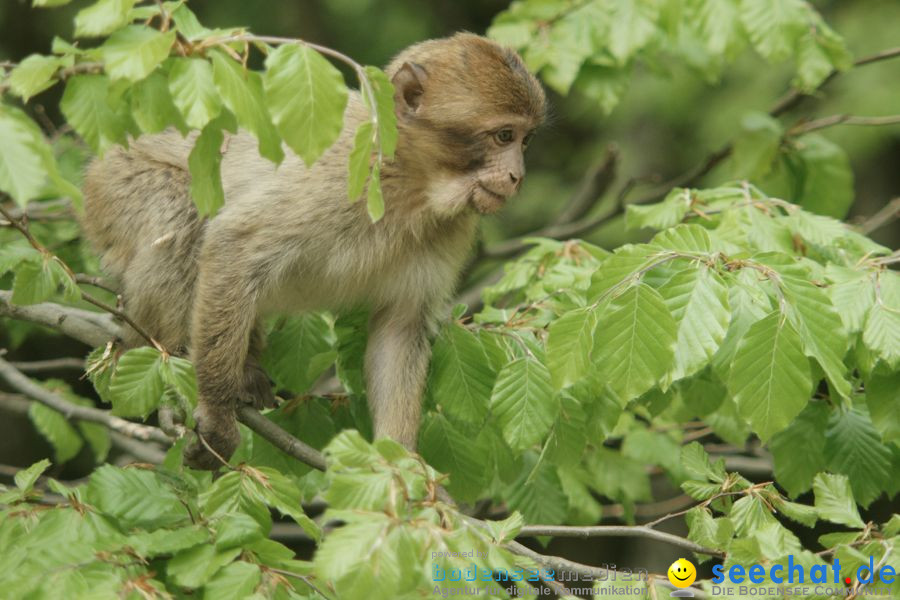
(397, 357)
(225, 342)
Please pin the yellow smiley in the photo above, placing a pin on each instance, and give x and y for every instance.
(682, 573)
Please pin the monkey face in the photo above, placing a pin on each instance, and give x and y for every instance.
(466, 108)
(503, 168)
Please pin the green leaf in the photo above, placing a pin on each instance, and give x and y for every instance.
(750, 514)
(205, 162)
(696, 463)
(523, 402)
(698, 300)
(507, 529)
(360, 159)
(195, 566)
(827, 185)
(882, 330)
(537, 493)
(820, 328)
(834, 500)
(384, 102)
(102, 17)
(451, 451)
(137, 384)
(662, 215)
(179, 374)
(62, 436)
(569, 344)
(756, 146)
(853, 447)
(242, 93)
(374, 198)
(632, 26)
(152, 106)
(98, 439)
(135, 497)
(298, 351)
(852, 295)
(801, 513)
(38, 280)
(799, 450)
(774, 26)
(85, 106)
(770, 378)
(49, 3)
(461, 378)
(34, 75)
(135, 51)
(306, 96)
(22, 167)
(236, 581)
(194, 91)
(26, 478)
(634, 342)
(883, 401)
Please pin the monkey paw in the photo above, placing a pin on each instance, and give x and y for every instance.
(257, 390)
(220, 434)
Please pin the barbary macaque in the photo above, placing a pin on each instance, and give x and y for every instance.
(287, 238)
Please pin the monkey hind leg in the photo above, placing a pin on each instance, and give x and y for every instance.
(140, 218)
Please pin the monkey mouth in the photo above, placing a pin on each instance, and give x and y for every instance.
(487, 201)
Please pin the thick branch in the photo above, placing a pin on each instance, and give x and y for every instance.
(617, 531)
(23, 384)
(93, 329)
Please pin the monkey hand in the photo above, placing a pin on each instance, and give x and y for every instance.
(220, 433)
(257, 390)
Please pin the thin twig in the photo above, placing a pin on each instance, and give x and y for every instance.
(280, 438)
(142, 451)
(640, 531)
(832, 120)
(20, 382)
(95, 281)
(888, 213)
(51, 364)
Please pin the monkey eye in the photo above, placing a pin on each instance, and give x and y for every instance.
(504, 136)
(527, 139)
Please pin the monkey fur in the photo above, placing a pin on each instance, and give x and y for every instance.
(287, 238)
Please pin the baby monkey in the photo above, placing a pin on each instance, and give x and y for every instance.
(287, 238)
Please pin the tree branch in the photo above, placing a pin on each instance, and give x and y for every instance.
(795, 96)
(142, 451)
(23, 384)
(888, 213)
(51, 364)
(280, 438)
(832, 120)
(639, 531)
(93, 329)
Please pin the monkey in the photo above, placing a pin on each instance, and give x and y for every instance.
(287, 238)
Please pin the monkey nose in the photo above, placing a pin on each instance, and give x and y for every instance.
(514, 178)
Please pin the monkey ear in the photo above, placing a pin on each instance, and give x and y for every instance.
(409, 85)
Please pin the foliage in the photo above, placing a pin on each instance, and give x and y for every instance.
(752, 315)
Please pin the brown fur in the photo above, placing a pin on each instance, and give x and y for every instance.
(287, 238)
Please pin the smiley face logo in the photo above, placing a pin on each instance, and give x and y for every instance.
(682, 573)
